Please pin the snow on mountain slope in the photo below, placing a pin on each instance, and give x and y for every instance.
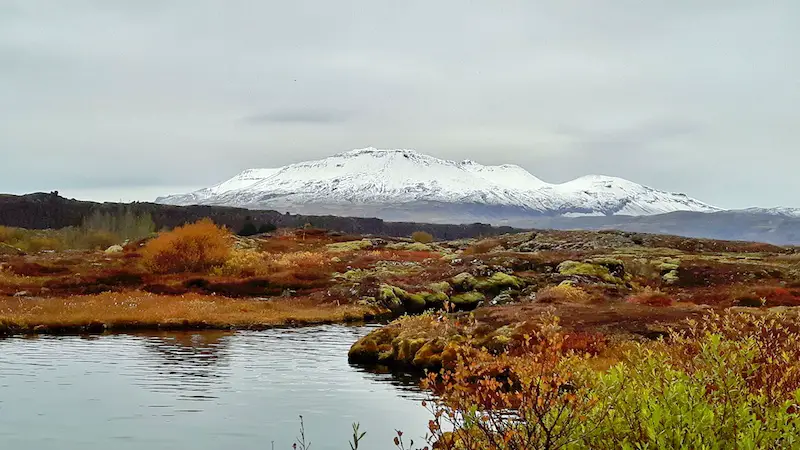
(777, 211)
(380, 182)
(244, 180)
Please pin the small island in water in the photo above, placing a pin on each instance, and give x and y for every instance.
(528, 340)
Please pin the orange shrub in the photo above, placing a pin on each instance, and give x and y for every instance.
(195, 247)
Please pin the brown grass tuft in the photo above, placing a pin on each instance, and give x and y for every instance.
(563, 293)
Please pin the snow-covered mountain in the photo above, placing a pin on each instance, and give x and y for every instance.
(777, 211)
(408, 185)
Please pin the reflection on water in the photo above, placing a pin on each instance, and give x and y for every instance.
(190, 364)
(202, 390)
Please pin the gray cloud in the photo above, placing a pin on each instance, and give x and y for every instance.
(695, 97)
(299, 116)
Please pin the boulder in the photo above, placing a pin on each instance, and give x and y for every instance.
(464, 282)
(114, 249)
(503, 298)
(374, 346)
(498, 282)
(468, 300)
(435, 300)
(396, 298)
(575, 268)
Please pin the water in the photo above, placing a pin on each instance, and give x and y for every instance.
(205, 390)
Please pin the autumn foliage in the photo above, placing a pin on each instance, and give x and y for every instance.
(194, 247)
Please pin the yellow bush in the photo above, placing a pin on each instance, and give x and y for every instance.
(190, 248)
(10, 235)
(422, 237)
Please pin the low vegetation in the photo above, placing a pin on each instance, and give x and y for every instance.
(116, 311)
(422, 237)
(98, 231)
(194, 247)
(661, 341)
(728, 381)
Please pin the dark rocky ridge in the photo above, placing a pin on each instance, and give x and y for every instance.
(42, 211)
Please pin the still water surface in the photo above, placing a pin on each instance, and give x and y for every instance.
(206, 390)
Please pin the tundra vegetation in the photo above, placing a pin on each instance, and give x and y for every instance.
(536, 340)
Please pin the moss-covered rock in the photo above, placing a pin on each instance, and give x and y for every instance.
(666, 267)
(435, 300)
(371, 347)
(396, 298)
(349, 246)
(410, 246)
(441, 286)
(389, 299)
(616, 267)
(464, 282)
(499, 282)
(406, 348)
(468, 300)
(575, 268)
(429, 356)
(670, 277)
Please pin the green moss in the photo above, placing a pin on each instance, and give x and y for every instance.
(352, 275)
(442, 286)
(670, 277)
(464, 281)
(435, 299)
(586, 269)
(665, 267)
(374, 346)
(388, 298)
(498, 282)
(349, 246)
(410, 246)
(606, 261)
(394, 298)
(467, 300)
(405, 349)
(430, 355)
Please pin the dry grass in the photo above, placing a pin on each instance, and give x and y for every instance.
(564, 293)
(484, 246)
(651, 297)
(138, 310)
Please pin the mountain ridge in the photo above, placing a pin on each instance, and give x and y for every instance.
(370, 181)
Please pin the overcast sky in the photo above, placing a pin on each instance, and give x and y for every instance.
(111, 99)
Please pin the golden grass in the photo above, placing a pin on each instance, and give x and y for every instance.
(255, 263)
(139, 310)
(563, 293)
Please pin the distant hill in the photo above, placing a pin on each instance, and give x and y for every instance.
(42, 210)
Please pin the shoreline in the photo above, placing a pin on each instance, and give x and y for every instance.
(138, 311)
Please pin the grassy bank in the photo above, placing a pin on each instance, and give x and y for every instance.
(144, 311)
